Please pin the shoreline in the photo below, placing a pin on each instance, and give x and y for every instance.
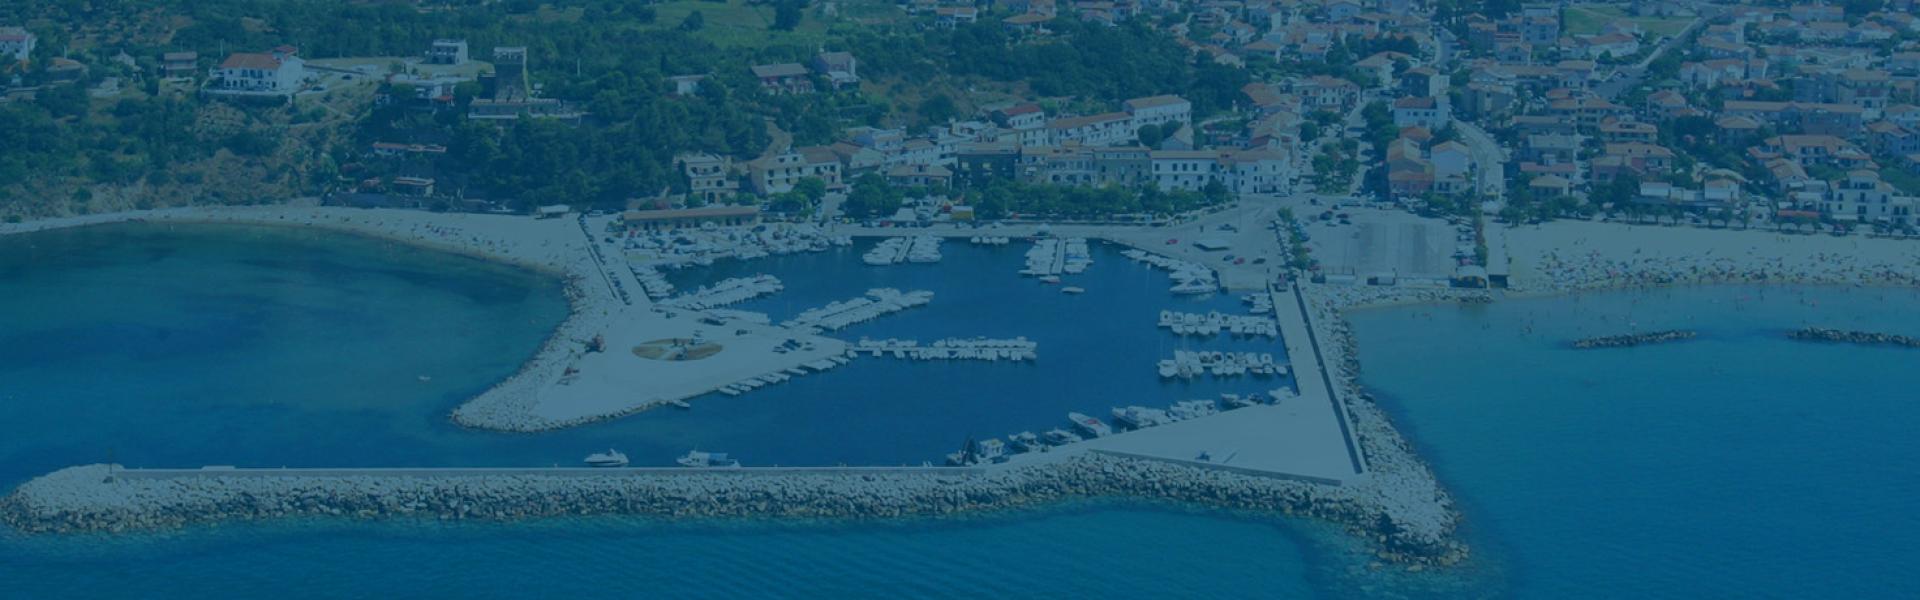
(1399, 507)
(510, 240)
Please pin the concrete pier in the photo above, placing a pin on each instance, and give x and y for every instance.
(1305, 438)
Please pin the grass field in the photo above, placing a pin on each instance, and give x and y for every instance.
(1589, 19)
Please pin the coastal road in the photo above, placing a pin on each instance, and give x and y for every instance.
(1490, 160)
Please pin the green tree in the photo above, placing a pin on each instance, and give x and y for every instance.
(694, 22)
(786, 15)
(1151, 135)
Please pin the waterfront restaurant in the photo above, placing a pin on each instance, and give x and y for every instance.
(723, 216)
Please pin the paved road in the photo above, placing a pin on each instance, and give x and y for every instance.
(1488, 157)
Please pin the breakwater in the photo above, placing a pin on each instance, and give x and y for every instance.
(1820, 334)
(1634, 339)
(96, 499)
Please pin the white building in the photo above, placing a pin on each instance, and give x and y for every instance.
(1156, 110)
(277, 73)
(17, 43)
(1185, 170)
(447, 52)
(1420, 111)
(1097, 130)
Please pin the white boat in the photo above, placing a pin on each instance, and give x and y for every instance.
(1169, 368)
(1193, 288)
(1090, 425)
(681, 404)
(707, 460)
(1025, 441)
(610, 459)
(1050, 279)
(1072, 290)
(1059, 437)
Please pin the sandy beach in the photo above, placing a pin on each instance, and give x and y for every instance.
(1565, 256)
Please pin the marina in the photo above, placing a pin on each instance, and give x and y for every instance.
(1017, 349)
(896, 250)
(1189, 364)
(877, 303)
(727, 292)
(1188, 278)
(1213, 323)
(1049, 258)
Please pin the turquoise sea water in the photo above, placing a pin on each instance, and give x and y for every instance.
(1737, 465)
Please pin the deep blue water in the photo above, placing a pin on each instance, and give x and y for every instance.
(1736, 465)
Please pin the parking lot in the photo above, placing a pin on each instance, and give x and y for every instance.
(1383, 242)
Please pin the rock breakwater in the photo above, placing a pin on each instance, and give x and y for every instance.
(95, 499)
(1634, 339)
(1819, 334)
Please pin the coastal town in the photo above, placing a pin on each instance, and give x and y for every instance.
(1299, 159)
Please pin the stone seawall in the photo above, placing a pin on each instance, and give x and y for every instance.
(87, 499)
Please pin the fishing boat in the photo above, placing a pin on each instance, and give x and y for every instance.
(609, 459)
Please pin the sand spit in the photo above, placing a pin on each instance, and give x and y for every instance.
(87, 499)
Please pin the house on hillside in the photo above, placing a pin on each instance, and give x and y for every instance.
(784, 78)
(447, 52)
(841, 69)
(276, 73)
(17, 43)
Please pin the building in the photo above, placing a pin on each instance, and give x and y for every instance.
(920, 175)
(179, 64)
(276, 73)
(17, 43)
(777, 174)
(709, 177)
(841, 69)
(1862, 196)
(1186, 170)
(447, 52)
(1425, 112)
(510, 93)
(784, 78)
(1156, 110)
(725, 216)
(1105, 129)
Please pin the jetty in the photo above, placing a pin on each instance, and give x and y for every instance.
(1019, 348)
(1189, 364)
(839, 315)
(726, 292)
(896, 250)
(1188, 277)
(651, 281)
(1634, 339)
(757, 381)
(1214, 322)
(1819, 334)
